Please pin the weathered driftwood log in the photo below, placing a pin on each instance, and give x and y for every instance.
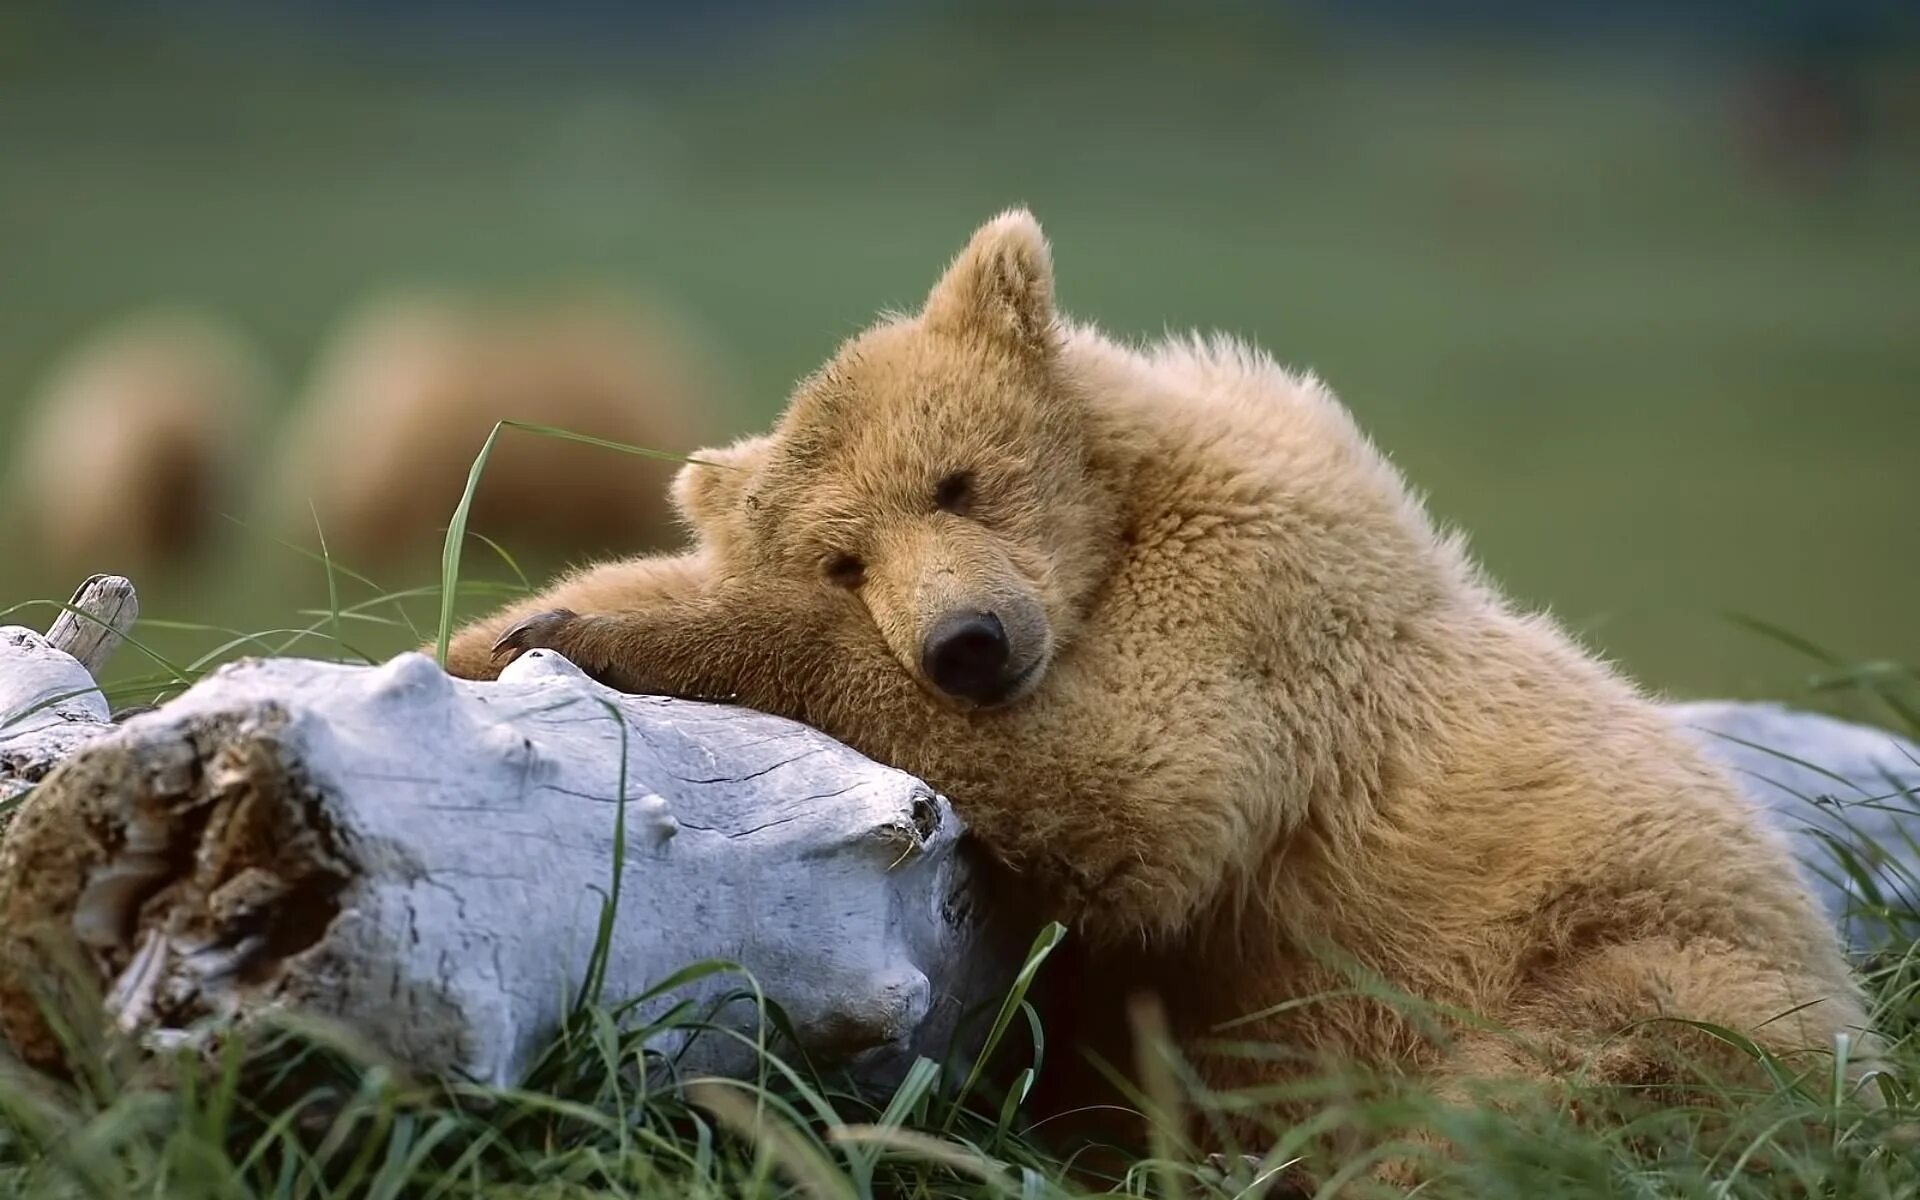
(426, 859)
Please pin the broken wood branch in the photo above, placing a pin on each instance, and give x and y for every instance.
(95, 621)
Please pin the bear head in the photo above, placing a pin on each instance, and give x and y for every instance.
(934, 484)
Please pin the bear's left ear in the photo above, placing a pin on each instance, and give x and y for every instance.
(1000, 287)
(713, 487)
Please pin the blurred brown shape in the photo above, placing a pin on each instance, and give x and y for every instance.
(136, 443)
(404, 395)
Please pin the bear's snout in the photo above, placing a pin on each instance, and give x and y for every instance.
(967, 655)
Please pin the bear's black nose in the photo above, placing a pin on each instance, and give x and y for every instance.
(966, 656)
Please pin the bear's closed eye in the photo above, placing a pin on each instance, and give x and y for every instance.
(954, 493)
(843, 570)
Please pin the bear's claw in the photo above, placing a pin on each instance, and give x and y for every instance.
(533, 633)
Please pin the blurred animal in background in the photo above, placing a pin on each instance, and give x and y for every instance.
(404, 395)
(137, 441)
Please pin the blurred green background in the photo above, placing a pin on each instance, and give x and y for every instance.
(1636, 302)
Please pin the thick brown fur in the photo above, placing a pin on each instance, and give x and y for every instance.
(404, 395)
(138, 442)
(1283, 736)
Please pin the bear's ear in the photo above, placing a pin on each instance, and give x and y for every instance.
(1001, 286)
(714, 485)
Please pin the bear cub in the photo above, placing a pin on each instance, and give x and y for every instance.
(1193, 663)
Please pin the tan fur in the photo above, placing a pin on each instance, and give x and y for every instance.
(1283, 723)
(404, 396)
(136, 443)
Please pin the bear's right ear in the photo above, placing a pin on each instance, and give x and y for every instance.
(714, 485)
(1000, 286)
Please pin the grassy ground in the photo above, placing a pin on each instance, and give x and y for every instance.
(1655, 387)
